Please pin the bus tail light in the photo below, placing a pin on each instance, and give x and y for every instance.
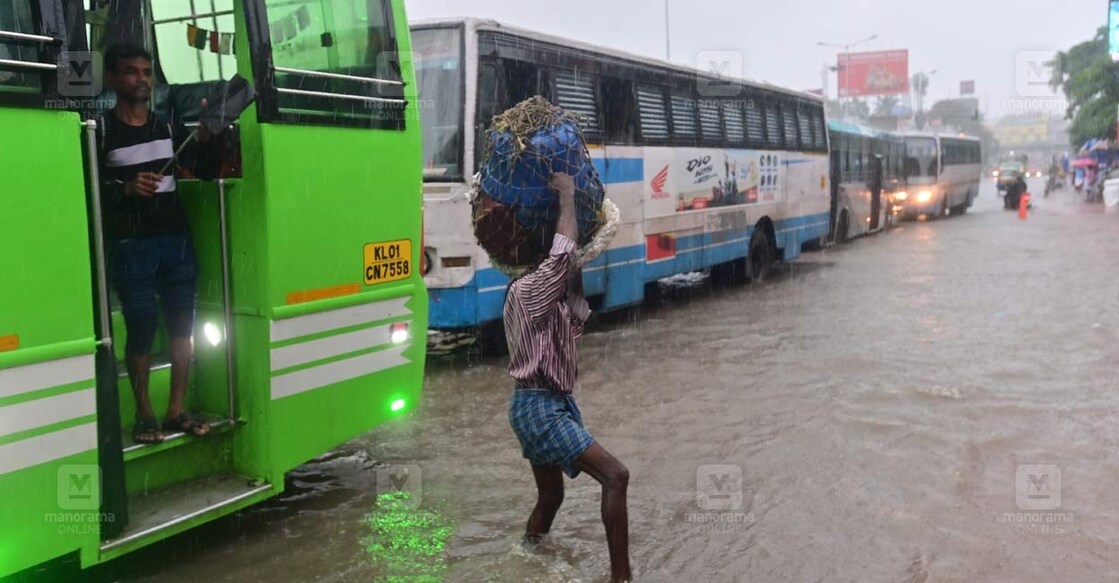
(398, 332)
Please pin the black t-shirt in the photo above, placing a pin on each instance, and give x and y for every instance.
(125, 151)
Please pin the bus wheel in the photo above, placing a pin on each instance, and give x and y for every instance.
(842, 229)
(760, 258)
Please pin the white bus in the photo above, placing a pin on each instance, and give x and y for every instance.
(943, 174)
(707, 172)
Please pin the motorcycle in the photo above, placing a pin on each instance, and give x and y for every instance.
(1014, 194)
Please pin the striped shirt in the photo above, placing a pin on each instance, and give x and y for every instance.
(127, 150)
(542, 321)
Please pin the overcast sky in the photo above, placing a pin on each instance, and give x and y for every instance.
(961, 39)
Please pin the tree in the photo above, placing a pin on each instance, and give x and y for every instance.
(1090, 81)
(886, 105)
(851, 109)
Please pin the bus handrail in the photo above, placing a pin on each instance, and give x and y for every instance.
(29, 37)
(372, 80)
(199, 16)
(340, 96)
(104, 316)
(28, 65)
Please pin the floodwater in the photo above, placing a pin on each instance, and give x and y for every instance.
(935, 403)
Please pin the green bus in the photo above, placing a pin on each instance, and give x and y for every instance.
(311, 310)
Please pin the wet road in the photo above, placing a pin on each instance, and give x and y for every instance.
(898, 410)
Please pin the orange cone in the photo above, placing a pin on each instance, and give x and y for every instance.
(1024, 206)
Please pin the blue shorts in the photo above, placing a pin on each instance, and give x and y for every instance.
(145, 267)
(550, 428)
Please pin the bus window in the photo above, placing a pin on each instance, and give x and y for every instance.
(789, 114)
(709, 121)
(684, 126)
(921, 158)
(807, 140)
(774, 136)
(818, 129)
(575, 92)
(16, 16)
(619, 113)
(755, 124)
(654, 113)
(181, 63)
(732, 116)
(439, 81)
(313, 44)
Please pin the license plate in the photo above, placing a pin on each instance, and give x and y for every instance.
(390, 261)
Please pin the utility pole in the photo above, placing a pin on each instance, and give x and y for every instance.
(667, 33)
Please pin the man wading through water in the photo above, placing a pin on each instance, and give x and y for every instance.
(544, 314)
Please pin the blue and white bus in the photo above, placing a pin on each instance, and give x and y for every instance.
(708, 173)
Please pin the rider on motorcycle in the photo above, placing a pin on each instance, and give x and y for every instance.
(1014, 192)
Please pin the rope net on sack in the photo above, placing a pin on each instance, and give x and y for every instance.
(514, 210)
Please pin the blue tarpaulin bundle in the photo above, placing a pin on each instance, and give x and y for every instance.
(515, 211)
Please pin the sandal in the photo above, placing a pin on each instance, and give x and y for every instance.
(188, 423)
(147, 431)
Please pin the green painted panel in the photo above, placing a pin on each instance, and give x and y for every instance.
(46, 513)
(47, 301)
(43, 229)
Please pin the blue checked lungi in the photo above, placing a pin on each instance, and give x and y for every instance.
(550, 428)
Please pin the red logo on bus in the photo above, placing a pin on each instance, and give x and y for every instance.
(659, 182)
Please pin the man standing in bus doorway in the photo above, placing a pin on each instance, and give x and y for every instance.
(544, 315)
(150, 250)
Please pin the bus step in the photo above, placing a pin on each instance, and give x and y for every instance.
(161, 513)
(133, 450)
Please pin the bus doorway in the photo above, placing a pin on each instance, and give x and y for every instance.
(876, 186)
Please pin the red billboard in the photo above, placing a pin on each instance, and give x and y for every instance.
(873, 73)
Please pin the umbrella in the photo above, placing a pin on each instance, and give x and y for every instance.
(1100, 145)
(1083, 162)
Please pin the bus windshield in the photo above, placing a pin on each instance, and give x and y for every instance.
(439, 79)
(921, 157)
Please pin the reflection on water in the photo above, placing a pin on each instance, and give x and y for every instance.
(406, 542)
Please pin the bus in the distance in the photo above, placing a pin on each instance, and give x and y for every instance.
(708, 173)
(866, 178)
(306, 336)
(943, 174)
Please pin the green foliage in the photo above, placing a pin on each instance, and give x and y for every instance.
(1090, 82)
(850, 109)
(964, 115)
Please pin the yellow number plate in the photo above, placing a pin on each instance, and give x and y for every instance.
(389, 261)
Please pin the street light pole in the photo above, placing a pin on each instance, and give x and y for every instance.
(667, 34)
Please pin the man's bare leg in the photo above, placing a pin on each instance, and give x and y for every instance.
(181, 350)
(139, 372)
(549, 497)
(614, 478)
